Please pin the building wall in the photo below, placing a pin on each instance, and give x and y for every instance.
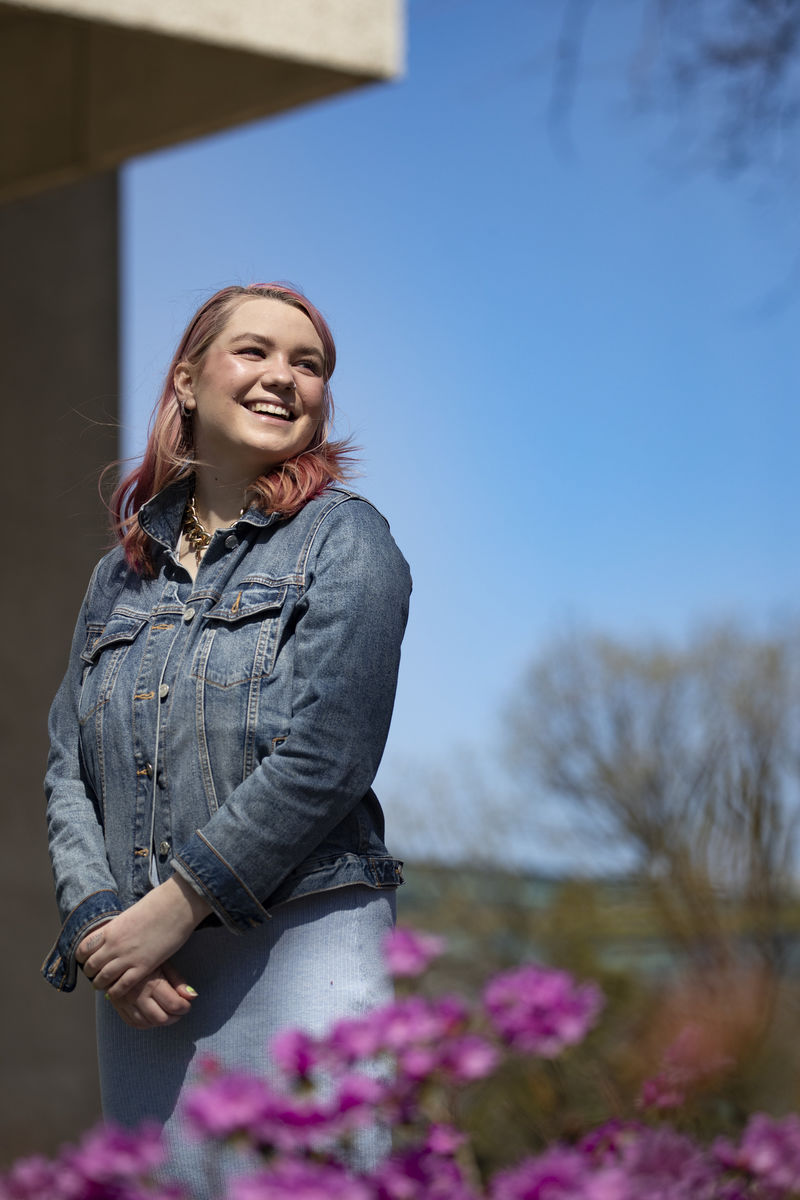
(115, 79)
(58, 381)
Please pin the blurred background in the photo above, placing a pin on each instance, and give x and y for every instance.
(559, 248)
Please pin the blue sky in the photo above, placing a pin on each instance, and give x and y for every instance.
(577, 402)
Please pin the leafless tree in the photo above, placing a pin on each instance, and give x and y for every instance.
(728, 69)
(687, 757)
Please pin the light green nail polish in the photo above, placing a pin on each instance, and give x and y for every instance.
(190, 990)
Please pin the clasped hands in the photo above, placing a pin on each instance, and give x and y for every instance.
(128, 957)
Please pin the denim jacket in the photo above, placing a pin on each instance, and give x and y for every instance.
(227, 729)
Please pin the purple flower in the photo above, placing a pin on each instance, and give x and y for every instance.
(301, 1180)
(353, 1039)
(605, 1143)
(558, 1174)
(685, 1062)
(468, 1057)
(410, 1022)
(444, 1139)
(451, 1013)
(108, 1164)
(238, 1103)
(408, 953)
(662, 1092)
(541, 1010)
(295, 1052)
(416, 1063)
(657, 1164)
(109, 1154)
(229, 1103)
(769, 1149)
(355, 1100)
(665, 1165)
(421, 1174)
(32, 1178)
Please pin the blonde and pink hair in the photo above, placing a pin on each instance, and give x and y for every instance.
(169, 453)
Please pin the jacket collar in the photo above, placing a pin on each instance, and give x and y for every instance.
(161, 516)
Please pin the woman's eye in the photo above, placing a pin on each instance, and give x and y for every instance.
(252, 351)
(310, 364)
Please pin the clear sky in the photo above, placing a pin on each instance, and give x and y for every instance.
(576, 397)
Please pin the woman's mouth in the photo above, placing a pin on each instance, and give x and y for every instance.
(269, 409)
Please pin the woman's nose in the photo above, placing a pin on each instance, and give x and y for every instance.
(277, 372)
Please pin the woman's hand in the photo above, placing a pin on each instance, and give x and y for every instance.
(118, 956)
(161, 999)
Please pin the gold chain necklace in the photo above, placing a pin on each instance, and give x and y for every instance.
(193, 529)
(195, 532)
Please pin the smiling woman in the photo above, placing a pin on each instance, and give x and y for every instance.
(257, 395)
(223, 715)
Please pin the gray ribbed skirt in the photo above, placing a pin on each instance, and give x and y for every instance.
(317, 959)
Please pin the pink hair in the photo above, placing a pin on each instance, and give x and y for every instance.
(169, 452)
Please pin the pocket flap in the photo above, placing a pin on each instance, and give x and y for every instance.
(119, 628)
(251, 599)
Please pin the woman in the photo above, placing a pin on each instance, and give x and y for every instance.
(224, 712)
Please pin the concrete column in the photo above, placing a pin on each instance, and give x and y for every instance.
(59, 388)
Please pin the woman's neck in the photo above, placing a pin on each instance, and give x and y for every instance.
(218, 501)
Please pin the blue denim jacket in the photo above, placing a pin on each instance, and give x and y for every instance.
(229, 728)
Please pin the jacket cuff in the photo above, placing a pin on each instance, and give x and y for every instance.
(60, 968)
(208, 873)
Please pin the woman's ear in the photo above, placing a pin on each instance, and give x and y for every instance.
(182, 381)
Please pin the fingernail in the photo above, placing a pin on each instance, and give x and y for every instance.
(190, 990)
(107, 996)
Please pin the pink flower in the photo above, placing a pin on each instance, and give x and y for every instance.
(31, 1178)
(410, 1022)
(356, 1098)
(420, 1174)
(685, 1062)
(354, 1039)
(665, 1164)
(469, 1057)
(108, 1164)
(541, 1010)
(109, 1154)
(655, 1163)
(295, 1052)
(661, 1092)
(408, 953)
(301, 1180)
(558, 1174)
(769, 1149)
(229, 1103)
(416, 1063)
(444, 1139)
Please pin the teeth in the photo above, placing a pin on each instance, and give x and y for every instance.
(274, 410)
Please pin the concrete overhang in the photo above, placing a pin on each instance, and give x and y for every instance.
(85, 84)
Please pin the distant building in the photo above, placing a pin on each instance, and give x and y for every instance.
(493, 918)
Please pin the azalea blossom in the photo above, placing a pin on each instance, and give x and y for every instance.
(541, 1010)
(409, 953)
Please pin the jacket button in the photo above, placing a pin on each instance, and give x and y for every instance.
(148, 770)
(163, 691)
(163, 847)
(231, 541)
(188, 615)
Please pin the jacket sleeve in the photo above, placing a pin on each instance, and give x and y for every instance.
(348, 633)
(85, 888)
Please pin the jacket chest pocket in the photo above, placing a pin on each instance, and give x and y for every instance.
(103, 655)
(240, 640)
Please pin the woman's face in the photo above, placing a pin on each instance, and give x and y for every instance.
(256, 397)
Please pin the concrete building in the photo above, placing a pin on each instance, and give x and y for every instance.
(85, 84)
